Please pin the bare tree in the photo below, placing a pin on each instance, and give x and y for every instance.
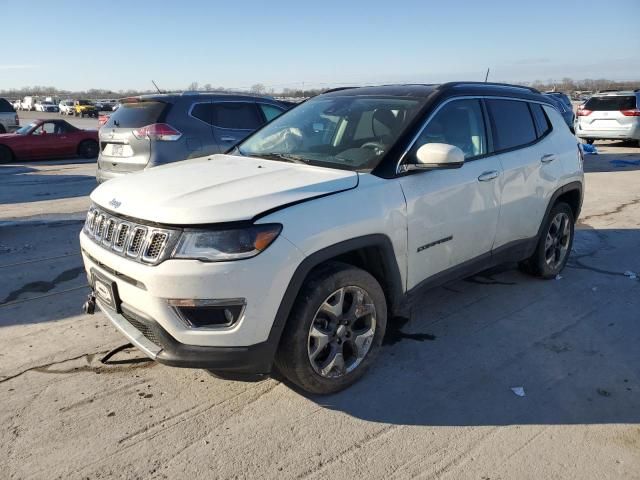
(258, 88)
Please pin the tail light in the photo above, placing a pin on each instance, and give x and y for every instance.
(633, 112)
(583, 112)
(102, 119)
(17, 120)
(158, 131)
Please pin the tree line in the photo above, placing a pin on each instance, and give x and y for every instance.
(563, 85)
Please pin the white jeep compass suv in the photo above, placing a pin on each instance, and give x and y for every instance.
(297, 246)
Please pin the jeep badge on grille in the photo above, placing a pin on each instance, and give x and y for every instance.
(115, 203)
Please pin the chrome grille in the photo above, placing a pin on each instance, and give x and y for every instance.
(155, 245)
(99, 227)
(135, 243)
(108, 231)
(121, 237)
(142, 243)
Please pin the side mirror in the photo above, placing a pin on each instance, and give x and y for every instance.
(431, 156)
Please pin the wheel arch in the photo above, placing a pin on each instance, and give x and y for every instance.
(572, 194)
(84, 141)
(10, 150)
(373, 253)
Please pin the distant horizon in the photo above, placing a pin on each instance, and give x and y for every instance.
(309, 88)
(286, 44)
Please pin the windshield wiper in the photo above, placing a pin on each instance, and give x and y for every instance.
(279, 157)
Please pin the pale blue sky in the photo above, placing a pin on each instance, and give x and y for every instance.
(124, 44)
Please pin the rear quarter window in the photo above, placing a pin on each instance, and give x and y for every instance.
(136, 114)
(543, 126)
(5, 106)
(512, 123)
(608, 104)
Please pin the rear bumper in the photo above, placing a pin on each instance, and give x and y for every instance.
(158, 345)
(104, 175)
(626, 134)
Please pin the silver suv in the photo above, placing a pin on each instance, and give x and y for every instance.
(9, 120)
(610, 116)
(153, 130)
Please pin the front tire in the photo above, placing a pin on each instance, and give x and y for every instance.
(88, 149)
(335, 329)
(6, 155)
(554, 245)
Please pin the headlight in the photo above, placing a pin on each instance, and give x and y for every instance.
(221, 245)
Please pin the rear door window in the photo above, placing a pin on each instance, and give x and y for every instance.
(608, 104)
(236, 115)
(540, 119)
(136, 114)
(512, 123)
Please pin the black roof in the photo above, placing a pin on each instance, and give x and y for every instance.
(201, 95)
(427, 90)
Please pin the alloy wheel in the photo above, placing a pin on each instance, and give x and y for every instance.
(558, 239)
(342, 332)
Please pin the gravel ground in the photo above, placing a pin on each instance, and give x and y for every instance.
(438, 404)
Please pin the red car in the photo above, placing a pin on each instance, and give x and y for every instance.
(47, 139)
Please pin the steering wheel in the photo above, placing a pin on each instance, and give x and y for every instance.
(377, 147)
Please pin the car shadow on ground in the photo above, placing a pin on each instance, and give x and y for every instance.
(611, 162)
(43, 279)
(63, 161)
(571, 344)
(25, 185)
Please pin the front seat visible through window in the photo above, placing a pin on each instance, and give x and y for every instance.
(458, 123)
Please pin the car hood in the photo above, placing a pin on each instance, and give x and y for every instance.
(216, 189)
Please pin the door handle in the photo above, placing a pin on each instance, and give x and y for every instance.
(228, 139)
(487, 176)
(549, 157)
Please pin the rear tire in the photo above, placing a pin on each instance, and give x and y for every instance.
(6, 155)
(554, 244)
(590, 141)
(334, 331)
(88, 149)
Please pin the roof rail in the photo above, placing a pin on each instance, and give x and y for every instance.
(488, 84)
(337, 89)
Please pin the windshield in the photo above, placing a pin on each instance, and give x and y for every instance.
(136, 114)
(351, 133)
(611, 103)
(24, 130)
(84, 102)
